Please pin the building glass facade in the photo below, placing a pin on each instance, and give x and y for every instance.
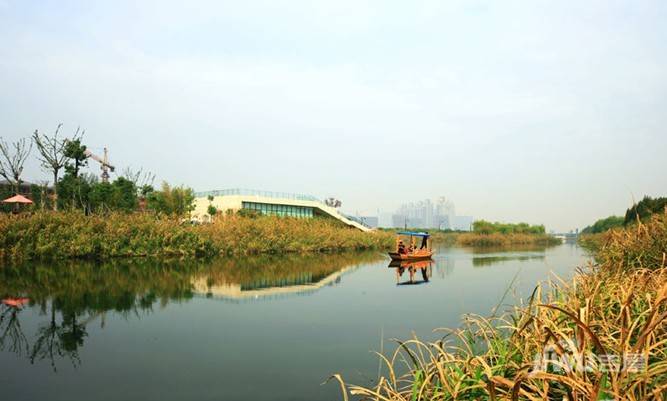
(279, 210)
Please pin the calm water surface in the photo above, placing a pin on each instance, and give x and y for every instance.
(265, 328)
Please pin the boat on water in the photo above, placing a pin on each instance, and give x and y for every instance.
(411, 251)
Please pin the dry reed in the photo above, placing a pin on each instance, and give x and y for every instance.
(601, 336)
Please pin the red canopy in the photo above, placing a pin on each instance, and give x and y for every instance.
(17, 199)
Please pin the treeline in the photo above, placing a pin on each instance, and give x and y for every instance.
(640, 211)
(487, 227)
(605, 224)
(72, 189)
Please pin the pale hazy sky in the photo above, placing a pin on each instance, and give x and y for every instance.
(549, 112)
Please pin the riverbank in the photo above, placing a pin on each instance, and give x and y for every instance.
(61, 235)
(601, 336)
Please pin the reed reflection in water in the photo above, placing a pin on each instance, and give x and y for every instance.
(70, 295)
(261, 328)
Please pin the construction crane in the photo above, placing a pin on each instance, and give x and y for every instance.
(104, 163)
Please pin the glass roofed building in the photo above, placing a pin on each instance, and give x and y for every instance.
(268, 203)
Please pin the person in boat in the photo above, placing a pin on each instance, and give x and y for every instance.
(411, 249)
(424, 243)
(401, 247)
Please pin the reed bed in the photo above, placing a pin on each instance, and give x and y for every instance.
(266, 234)
(602, 336)
(499, 239)
(73, 235)
(59, 235)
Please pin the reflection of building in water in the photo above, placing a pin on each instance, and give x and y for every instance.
(444, 266)
(268, 287)
(440, 214)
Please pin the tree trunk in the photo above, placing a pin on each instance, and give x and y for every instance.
(17, 187)
(55, 190)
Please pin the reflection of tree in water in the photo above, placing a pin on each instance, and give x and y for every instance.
(71, 335)
(12, 337)
(72, 294)
(55, 340)
(491, 260)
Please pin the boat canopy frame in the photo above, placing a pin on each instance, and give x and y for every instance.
(414, 233)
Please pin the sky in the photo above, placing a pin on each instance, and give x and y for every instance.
(548, 112)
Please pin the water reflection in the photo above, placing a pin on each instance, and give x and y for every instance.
(183, 329)
(69, 296)
(418, 272)
(488, 260)
(12, 338)
(264, 278)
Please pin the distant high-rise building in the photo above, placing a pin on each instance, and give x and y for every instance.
(444, 212)
(462, 223)
(427, 214)
(385, 220)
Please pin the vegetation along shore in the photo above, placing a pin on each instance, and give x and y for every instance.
(487, 234)
(80, 216)
(594, 236)
(45, 235)
(603, 335)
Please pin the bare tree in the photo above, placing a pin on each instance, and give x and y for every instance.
(53, 159)
(142, 180)
(12, 160)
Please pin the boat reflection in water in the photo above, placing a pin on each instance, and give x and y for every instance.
(417, 272)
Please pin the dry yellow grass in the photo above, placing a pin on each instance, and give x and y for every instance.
(72, 234)
(499, 239)
(579, 340)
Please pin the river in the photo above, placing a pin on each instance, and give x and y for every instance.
(255, 328)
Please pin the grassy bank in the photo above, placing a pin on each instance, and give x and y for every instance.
(73, 235)
(601, 336)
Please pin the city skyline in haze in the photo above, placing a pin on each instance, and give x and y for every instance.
(544, 112)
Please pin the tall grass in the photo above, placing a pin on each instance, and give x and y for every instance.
(616, 308)
(484, 239)
(268, 234)
(499, 239)
(74, 235)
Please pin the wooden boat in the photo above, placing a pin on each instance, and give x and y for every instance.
(419, 254)
(412, 252)
(416, 264)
